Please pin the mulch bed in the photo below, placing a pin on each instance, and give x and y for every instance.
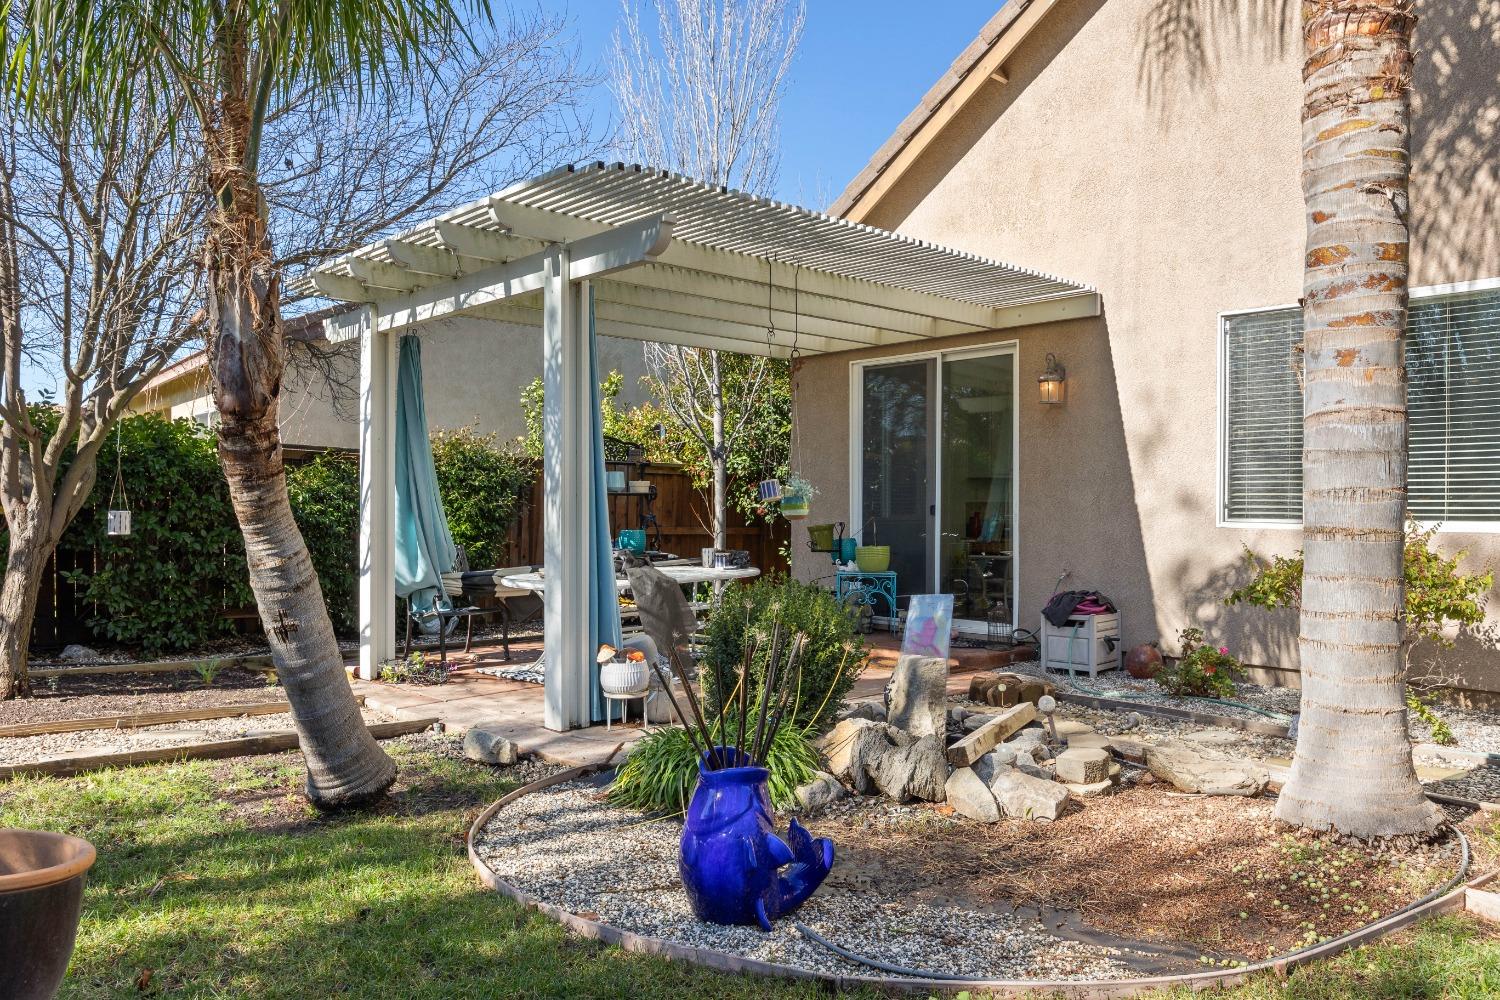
(91, 695)
(1211, 873)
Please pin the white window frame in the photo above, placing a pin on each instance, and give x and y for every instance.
(964, 626)
(1221, 478)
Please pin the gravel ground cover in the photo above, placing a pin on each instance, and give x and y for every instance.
(567, 846)
(94, 742)
(236, 688)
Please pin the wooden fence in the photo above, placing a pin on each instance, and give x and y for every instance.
(681, 514)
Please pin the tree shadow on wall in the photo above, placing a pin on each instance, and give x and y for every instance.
(1182, 41)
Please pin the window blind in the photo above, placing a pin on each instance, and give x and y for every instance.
(1453, 403)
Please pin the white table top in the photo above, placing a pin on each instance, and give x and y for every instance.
(684, 573)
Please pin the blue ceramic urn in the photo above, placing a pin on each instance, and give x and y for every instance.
(732, 861)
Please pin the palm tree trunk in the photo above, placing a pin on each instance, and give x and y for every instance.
(246, 351)
(1353, 770)
(26, 561)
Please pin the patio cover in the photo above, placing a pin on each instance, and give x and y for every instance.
(642, 254)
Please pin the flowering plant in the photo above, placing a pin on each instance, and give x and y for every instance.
(1202, 671)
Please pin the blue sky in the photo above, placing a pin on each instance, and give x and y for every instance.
(862, 67)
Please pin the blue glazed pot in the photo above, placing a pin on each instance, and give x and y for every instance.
(731, 857)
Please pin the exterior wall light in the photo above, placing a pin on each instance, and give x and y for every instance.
(1052, 381)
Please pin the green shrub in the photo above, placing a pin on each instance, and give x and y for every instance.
(1202, 671)
(325, 502)
(831, 662)
(165, 586)
(1437, 594)
(483, 486)
(662, 771)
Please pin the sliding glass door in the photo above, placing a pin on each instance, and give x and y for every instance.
(937, 482)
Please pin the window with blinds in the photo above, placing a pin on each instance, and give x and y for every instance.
(1453, 399)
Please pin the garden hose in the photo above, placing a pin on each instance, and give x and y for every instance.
(873, 963)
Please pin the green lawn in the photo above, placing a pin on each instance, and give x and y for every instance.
(216, 878)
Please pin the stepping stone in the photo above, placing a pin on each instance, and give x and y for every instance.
(1083, 766)
(1067, 728)
(1192, 768)
(1094, 741)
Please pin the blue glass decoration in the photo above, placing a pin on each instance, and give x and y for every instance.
(732, 860)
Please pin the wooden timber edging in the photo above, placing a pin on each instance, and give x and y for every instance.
(249, 746)
(144, 719)
(256, 661)
(1266, 728)
(1098, 989)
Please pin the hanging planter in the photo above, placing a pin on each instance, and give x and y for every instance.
(796, 497)
(117, 522)
(770, 490)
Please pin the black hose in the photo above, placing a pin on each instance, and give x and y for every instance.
(899, 970)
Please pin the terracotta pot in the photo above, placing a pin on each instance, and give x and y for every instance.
(41, 896)
(1143, 661)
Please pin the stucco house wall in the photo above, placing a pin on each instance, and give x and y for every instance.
(473, 372)
(1107, 159)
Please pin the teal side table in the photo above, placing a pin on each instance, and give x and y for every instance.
(865, 588)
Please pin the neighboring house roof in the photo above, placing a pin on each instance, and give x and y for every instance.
(307, 327)
(981, 62)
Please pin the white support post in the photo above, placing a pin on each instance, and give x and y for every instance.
(377, 491)
(566, 477)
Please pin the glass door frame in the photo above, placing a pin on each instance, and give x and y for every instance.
(935, 517)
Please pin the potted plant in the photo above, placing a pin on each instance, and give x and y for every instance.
(796, 497)
(622, 675)
(41, 896)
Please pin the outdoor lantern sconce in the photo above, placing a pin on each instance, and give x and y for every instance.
(1051, 381)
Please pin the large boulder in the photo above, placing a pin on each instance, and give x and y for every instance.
(970, 797)
(917, 696)
(909, 769)
(1195, 768)
(873, 757)
(1024, 796)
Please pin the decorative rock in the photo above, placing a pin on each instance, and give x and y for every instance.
(486, 745)
(911, 770)
(1032, 690)
(1192, 768)
(917, 696)
(1071, 727)
(975, 720)
(1027, 765)
(1090, 790)
(73, 652)
(980, 742)
(848, 747)
(1211, 738)
(1093, 741)
(864, 710)
(1083, 766)
(1024, 796)
(823, 790)
(989, 765)
(970, 797)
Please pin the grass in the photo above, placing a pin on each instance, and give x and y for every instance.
(215, 880)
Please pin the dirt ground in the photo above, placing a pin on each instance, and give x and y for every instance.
(88, 696)
(1210, 874)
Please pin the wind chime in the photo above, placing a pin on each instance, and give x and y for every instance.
(792, 496)
(770, 489)
(117, 522)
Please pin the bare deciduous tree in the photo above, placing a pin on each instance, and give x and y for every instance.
(699, 93)
(99, 232)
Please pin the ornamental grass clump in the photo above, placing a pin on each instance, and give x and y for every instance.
(662, 772)
(1202, 671)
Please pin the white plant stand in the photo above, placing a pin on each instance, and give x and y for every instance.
(1084, 643)
(646, 695)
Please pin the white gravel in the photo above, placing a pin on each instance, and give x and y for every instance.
(94, 742)
(565, 845)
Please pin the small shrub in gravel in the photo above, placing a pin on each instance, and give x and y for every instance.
(1202, 671)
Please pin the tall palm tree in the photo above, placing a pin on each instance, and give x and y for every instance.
(233, 62)
(1353, 768)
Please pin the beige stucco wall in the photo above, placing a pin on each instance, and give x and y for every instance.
(1178, 198)
(473, 373)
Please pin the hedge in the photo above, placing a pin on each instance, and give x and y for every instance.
(165, 587)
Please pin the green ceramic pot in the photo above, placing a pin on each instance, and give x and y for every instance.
(794, 508)
(873, 558)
